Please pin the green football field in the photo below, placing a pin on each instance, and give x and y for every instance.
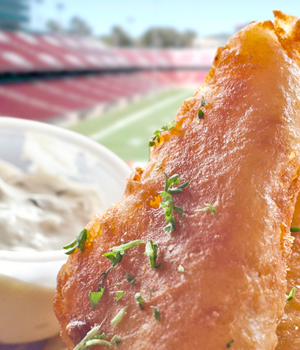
(126, 130)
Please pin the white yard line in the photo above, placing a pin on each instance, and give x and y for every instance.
(135, 116)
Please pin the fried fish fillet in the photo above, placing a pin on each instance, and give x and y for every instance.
(287, 29)
(289, 327)
(223, 278)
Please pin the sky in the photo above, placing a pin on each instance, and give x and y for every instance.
(135, 16)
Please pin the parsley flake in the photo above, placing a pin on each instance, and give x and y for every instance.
(93, 342)
(228, 345)
(104, 274)
(95, 297)
(181, 269)
(117, 253)
(291, 294)
(93, 334)
(156, 313)
(203, 102)
(101, 336)
(157, 132)
(120, 294)
(93, 338)
(151, 251)
(114, 257)
(79, 242)
(139, 299)
(295, 229)
(130, 279)
(124, 246)
(209, 207)
(200, 114)
(116, 339)
(173, 180)
(167, 200)
(119, 316)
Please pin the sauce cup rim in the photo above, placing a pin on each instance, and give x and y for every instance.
(87, 144)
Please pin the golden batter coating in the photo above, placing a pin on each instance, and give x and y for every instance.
(288, 31)
(289, 327)
(242, 157)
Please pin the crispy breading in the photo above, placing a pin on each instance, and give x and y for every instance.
(242, 158)
(289, 327)
(287, 29)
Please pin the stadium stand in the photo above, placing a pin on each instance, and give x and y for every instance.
(55, 78)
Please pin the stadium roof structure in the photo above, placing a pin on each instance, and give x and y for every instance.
(23, 52)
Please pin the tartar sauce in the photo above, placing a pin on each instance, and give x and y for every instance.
(42, 211)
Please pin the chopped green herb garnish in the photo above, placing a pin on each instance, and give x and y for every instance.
(120, 294)
(157, 132)
(150, 290)
(167, 205)
(209, 207)
(119, 316)
(171, 125)
(159, 167)
(228, 345)
(101, 336)
(167, 200)
(95, 297)
(93, 338)
(93, 342)
(118, 284)
(179, 210)
(151, 251)
(295, 229)
(181, 269)
(114, 257)
(139, 299)
(117, 253)
(130, 279)
(156, 313)
(200, 114)
(104, 274)
(173, 180)
(203, 102)
(291, 294)
(79, 242)
(124, 246)
(116, 339)
(92, 334)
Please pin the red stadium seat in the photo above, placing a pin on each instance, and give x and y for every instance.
(107, 75)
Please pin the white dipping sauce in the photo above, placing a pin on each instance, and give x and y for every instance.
(42, 211)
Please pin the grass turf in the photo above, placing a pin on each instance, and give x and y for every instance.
(126, 130)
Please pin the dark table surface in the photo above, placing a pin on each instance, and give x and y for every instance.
(32, 346)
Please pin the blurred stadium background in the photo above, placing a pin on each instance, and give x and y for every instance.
(113, 87)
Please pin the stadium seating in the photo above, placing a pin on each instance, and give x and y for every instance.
(46, 77)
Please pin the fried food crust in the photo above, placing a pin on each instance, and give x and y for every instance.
(287, 29)
(288, 329)
(243, 158)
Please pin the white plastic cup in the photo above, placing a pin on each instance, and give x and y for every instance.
(28, 279)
